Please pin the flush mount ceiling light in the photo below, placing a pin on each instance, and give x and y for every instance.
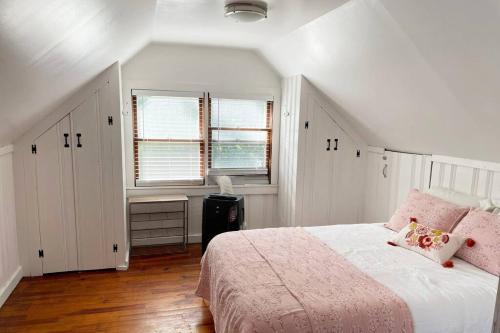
(246, 12)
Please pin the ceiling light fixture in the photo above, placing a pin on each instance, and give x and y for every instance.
(246, 12)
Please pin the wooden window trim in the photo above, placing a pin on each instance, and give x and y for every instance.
(136, 139)
(268, 129)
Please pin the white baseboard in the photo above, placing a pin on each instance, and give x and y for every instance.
(10, 285)
(124, 266)
(194, 238)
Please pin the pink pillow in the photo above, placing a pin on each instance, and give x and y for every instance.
(427, 210)
(484, 229)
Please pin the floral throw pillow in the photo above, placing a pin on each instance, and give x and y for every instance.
(435, 244)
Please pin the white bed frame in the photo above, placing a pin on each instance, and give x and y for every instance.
(472, 177)
(418, 171)
(467, 176)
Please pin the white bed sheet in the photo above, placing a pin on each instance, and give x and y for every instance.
(460, 299)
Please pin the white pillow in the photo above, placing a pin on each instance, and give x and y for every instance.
(461, 199)
(434, 244)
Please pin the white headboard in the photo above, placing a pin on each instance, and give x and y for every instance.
(407, 171)
(468, 176)
(393, 174)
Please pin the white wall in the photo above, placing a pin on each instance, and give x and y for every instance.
(234, 72)
(10, 269)
(290, 128)
(389, 178)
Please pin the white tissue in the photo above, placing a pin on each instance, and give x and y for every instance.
(224, 182)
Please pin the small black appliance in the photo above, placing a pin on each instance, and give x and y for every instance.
(221, 213)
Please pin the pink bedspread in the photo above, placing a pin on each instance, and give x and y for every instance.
(286, 280)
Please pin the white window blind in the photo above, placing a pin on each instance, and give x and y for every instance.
(168, 138)
(239, 136)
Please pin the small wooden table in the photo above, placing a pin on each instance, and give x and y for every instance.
(158, 220)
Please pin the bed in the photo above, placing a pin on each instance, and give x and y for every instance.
(342, 278)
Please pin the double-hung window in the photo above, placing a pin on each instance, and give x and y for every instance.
(171, 136)
(168, 138)
(239, 136)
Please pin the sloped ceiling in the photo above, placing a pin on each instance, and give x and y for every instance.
(415, 75)
(49, 48)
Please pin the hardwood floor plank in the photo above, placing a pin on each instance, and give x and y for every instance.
(155, 295)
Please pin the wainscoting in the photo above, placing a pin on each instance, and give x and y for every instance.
(10, 269)
(260, 204)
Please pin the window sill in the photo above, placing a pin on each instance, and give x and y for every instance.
(264, 189)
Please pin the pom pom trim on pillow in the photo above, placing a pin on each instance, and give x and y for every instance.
(448, 264)
(434, 244)
(483, 229)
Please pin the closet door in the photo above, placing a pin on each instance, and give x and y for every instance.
(347, 181)
(318, 170)
(54, 178)
(94, 238)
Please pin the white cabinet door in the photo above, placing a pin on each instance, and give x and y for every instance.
(347, 181)
(94, 237)
(318, 172)
(54, 178)
(105, 101)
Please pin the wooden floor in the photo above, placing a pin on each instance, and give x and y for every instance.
(155, 295)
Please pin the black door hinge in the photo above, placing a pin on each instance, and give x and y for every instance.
(33, 149)
(40, 253)
(306, 126)
(115, 247)
(110, 120)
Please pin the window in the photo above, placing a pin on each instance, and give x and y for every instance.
(239, 136)
(171, 136)
(168, 138)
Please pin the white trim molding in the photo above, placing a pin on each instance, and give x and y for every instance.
(10, 285)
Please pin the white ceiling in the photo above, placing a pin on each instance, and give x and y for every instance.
(203, 21)
(418, 75)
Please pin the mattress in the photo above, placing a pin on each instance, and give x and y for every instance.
(460, 299)
(342, 278)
